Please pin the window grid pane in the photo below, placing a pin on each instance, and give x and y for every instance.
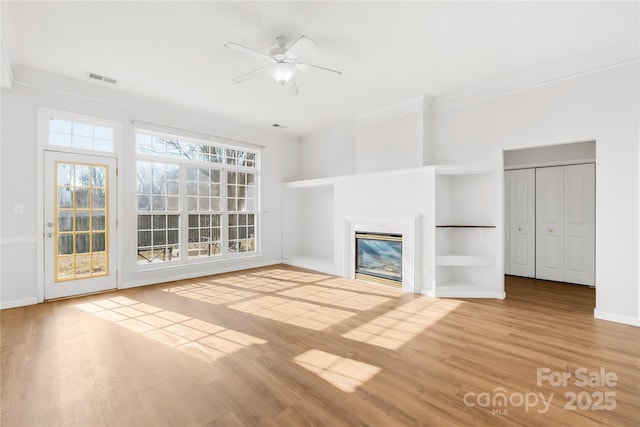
(242, 237)
(86, 136)
(158, 237)
(241, 192)
(205, 235)
(203, 189)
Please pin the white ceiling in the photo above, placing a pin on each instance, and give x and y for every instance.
(389, 52)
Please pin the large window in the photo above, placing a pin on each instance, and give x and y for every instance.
(195, 200)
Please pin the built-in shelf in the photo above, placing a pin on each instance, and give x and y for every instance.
(465, 245)
(464, 260)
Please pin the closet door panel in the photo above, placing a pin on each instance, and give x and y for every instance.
(522, 222)
(579, 221)
(549, 223)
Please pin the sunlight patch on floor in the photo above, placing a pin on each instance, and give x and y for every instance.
(399, 326)
(297, 313)
(212, 294)
(343, 373)
(337, 297)
(361, 286)
(204, 340)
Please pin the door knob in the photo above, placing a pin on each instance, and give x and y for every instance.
(519, 229)
(49, 235)
(49, 224)
(551, 230)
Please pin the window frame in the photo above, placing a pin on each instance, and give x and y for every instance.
(183, 212)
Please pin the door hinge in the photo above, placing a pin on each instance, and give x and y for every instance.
(116, 222)
(117, 171)
(117, 273)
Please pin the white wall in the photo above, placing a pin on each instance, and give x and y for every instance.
(330, 153)
(372, 145)
(21, 276)
(394, 143)
(601, 106)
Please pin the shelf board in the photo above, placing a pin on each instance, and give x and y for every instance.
(465, 226)
(463, 170)
(464, 260)
(466, 290)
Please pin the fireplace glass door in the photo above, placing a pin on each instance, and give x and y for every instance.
(379, 258)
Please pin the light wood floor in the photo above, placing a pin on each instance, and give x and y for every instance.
(286, 347)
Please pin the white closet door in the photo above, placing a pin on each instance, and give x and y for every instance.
(522, 236)
(507, 219)
(579, 224)
(549, 223)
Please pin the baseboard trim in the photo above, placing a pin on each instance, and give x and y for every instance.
(612, 317)
(18, 303)
(184, 276)
(320, 268)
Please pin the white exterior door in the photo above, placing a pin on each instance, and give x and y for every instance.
(549, 223)
(79, 201)
(579, 224)
(522, 236)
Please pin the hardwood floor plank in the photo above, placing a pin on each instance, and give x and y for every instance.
(282, 346)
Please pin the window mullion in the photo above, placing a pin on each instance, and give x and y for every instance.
(184, 215)
(224, 220)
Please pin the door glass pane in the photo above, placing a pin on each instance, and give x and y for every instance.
(98, 220)
(98, 242)
(82, 243)
(65, 244)
(83, 176)
(65, 220)
(82, 198)
(65, 197)
(99, 263)
(66, 268)
(82, 220)
(98, 198)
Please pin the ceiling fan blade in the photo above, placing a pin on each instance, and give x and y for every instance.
(297, 43)
(247, 76)
(303, 67)
(291, 87)
(244, 49)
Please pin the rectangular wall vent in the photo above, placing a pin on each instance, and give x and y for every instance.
(102, 78)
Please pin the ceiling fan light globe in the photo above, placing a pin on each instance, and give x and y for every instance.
(282, 72)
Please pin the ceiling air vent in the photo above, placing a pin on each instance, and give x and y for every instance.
(102, 78)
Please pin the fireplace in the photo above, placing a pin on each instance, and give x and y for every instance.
(406, 227)
(379, 258)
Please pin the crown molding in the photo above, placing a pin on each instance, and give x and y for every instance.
(6, 78)
(621, 55)
(334, 132)
(100, 92)
(410, 105)
(6, 45)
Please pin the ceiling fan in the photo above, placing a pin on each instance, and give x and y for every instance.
(283, 63)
